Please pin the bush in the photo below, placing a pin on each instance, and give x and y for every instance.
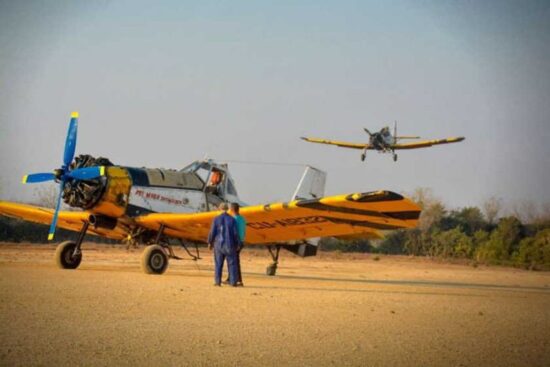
(534, 252)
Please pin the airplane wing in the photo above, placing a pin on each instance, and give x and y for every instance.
(426, 143)
(342, 144)
(68, 220)
(362, 213)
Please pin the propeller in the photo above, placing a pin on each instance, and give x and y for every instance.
(63, 174)
(367, 131)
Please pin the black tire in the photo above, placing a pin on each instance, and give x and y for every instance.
(64, 255)
(271, 270)
(154, 260)
(395, 157)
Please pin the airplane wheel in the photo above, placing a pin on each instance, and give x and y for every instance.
(271, 270)
(154, 260)
(395, 157)
(363, 156)
(64, 255)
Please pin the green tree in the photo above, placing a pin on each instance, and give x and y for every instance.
(470, 219)
(503, 241)
(393, 243)
(534, 252)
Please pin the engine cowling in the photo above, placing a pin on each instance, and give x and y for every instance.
(107, 195)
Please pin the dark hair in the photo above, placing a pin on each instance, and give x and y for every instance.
(235, 207)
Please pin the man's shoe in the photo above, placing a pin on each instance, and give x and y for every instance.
(217, 285)
(239, 284)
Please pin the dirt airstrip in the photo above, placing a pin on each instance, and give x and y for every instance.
(336, 310)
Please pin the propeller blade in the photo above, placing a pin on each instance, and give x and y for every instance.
(70, 142)
(51, 233)
(87, 173)
(38, 177)
(367, 131)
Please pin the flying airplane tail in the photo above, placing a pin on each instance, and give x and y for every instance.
(311, 186)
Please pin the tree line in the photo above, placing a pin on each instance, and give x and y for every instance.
(478, 235)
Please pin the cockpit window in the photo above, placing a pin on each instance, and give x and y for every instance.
(231, 188)
(202, 173)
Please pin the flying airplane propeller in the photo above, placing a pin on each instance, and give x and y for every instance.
(367, 131)
(63, 174)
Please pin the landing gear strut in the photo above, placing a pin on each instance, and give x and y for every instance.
(364, 155)
(272, 268)
(68, 254)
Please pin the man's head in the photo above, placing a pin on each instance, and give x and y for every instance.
(235, 208)
(223, 206)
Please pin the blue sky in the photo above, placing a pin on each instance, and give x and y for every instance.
(161, 84)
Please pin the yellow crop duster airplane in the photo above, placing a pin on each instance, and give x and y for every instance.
(155, 206)
(384, 142)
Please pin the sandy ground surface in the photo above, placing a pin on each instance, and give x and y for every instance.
(329, 310)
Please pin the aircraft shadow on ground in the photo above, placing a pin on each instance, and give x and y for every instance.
(201, 271)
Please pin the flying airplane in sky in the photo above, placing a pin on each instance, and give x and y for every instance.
(157, 207)
(383, 141)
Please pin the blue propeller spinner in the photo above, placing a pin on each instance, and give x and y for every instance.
(65, 173)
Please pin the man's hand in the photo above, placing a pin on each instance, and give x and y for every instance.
(210, 246)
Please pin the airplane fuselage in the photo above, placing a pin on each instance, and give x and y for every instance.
(130, 192)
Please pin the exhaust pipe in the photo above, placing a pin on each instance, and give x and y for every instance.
(102, 221)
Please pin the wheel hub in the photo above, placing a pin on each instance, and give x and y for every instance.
(157, 261)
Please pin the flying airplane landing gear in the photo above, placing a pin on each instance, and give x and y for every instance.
(271, 270)
(394, 157)
(68, 254)
(363, 156)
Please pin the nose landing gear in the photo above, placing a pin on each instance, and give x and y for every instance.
(68, 254)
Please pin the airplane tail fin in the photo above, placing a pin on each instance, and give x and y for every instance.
(311, 186)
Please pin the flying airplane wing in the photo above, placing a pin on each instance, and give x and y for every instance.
(69, 220)
(342, 144)
(363, 213)
(426, 143)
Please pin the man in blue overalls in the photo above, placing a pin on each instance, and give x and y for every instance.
(241, 229)
(224, 238)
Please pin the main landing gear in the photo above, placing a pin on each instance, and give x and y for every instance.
(272, 268)
(154, 259)
(394, 157)
(68, 254)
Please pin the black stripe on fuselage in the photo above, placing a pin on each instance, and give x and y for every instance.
(316, 205)
(362, 223)
(375, 196)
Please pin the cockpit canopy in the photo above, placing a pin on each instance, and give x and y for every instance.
(216, 177)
